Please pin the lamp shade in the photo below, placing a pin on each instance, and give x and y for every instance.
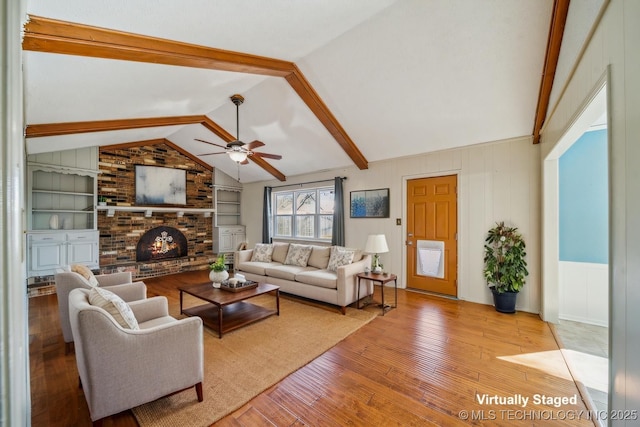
(237, 156)
(376, 244)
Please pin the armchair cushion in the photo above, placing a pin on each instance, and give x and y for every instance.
(84, 271)
(115, 306)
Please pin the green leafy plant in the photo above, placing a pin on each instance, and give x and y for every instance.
(219, 265)
(102, 199)
(505, 267)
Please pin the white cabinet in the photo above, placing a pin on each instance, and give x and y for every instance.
(227, 238)
(54, 250)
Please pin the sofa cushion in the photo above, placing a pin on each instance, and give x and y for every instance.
(280, 251)
(115, 306)
(255, 267)
(287, 272)
(322, 278)
(262, 252)
(339, 256)
(319, 257)
(298, 255)
(84, 271)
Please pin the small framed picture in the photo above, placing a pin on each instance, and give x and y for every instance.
(370, 203)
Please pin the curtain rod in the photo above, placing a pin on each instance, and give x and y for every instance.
(308, 182)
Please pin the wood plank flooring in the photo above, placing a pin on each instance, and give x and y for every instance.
(420, 364)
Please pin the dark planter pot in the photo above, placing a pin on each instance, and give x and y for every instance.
(504, 302)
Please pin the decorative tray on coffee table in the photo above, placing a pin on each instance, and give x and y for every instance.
(248, 284)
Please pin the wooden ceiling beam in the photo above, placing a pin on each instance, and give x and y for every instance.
(554, 42)
(217, 130)
(53, 129)
(53, 36)
(268, 167)
(310, 97)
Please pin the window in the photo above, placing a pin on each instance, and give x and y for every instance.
(304, 214)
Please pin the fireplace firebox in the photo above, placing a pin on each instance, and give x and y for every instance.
(161, 243)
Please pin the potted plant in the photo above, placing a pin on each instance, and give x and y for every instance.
(218, 272)
(102, 201)
(505, 267)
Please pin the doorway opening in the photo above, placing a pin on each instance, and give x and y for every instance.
(576, 246)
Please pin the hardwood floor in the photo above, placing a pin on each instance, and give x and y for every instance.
(420, 364)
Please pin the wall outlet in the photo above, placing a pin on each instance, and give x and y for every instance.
(398, 221)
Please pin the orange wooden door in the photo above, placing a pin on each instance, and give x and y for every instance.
(432, 214)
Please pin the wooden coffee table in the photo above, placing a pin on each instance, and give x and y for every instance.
(225, 310)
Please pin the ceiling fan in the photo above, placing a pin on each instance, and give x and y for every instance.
(237, 150)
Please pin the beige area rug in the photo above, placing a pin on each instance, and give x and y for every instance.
(249, 360)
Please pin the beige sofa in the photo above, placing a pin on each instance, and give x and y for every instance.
(315, 280)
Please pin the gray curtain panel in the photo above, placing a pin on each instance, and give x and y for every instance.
(338, 214)
(266, 216)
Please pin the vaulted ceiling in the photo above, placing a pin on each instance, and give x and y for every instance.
(327, 84)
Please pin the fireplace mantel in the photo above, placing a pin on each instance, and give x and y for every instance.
(149, 210)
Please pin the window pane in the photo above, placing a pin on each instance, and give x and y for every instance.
(305, 226)
(326, 200)
(306, 202)
(284, 204)
(326, 227)
(283, 226)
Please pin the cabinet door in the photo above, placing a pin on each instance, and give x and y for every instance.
(46, 252)
(226, 241)
(82, 248)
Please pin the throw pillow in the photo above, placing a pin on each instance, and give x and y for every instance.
(339, 257)
(84, 271)
(115, 306)
(262, 252)
(298, 255)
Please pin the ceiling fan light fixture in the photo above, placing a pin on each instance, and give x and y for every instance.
(237, 156)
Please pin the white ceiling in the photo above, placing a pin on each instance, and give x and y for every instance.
(401, 76)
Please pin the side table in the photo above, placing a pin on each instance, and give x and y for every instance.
(381, 279)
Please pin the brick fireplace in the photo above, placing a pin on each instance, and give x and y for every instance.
(121, 233)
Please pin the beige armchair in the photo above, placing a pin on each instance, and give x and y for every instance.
(122, 368)
(118, 283)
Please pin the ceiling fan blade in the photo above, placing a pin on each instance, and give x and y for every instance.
(254, 144)
(211, 143)
(267, 155)
(210, 154)
(244, 162)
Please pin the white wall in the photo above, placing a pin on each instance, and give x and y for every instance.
(614, 48)
(584, 294)
(496, 181)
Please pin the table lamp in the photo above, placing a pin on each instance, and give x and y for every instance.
(376, 244)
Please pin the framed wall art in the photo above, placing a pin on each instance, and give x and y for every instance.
(369, 203)
(160, 186)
